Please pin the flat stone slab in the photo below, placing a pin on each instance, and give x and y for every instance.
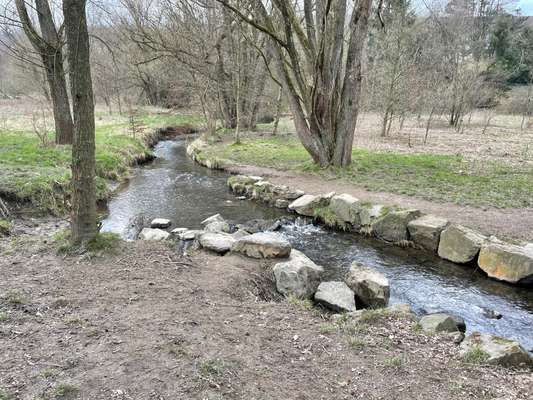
(159, 223)
(336, 296)
(392, 227)
(496, 350)
(370, 286)
(460, 244)
(425, 231)
(218, 242)
(298, 276)
(153, 234)
(263, 245)
(177, 231)
(507, 262)
(308, 203)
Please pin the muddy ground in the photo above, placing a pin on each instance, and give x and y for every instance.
(147, 323)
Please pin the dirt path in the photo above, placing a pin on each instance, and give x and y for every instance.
(510, 223)
(148, 324)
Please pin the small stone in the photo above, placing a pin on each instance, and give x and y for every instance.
(440, 322)
(177, 231)
(160, 223)
(336, 296)
(153, 234)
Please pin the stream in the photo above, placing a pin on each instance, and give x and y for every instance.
(175, 187)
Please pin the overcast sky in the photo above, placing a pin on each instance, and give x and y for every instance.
(526, 6)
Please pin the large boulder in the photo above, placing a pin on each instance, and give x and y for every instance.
(392, 227)
(460, 244)
(262, 245)
(218, 242)
(495, 350)
(371, 287)
(298, 276)
(425, 231)
(507, 262)
(346, 209)
(336, 296)
(438, 322)
(159, 223)
(153, 234)
(308, 204)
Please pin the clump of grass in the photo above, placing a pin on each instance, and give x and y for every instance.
(356, 343)
(475, 356)
(395, 362)
(5, 395)
(49, 373)
(106, 242)
(327, 329)
(304, 304)
(5, 227)
(15, 298)
(73, 320)
(66, 391)
(3, 316)
(212, 368)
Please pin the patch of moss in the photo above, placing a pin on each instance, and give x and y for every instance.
(475, 355)
(5, 227)
(106, 242)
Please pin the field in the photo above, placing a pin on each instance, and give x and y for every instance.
(36, 171)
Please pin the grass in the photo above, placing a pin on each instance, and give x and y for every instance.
(66, 391)
(102, 243)
(4, 395)
(3, 316)
(429, 176)
(41, 175)
(15, 298)
(5, 227)
(475, 356)
(212, 368)
(395, 362)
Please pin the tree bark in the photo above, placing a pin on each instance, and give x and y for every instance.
(83, 214)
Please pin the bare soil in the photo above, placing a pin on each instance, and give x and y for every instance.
(146, 323)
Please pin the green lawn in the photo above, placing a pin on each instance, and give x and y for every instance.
(429, 176)
(41, 175)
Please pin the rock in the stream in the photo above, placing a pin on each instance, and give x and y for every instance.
(370, 286)
(308, 203)
(211, 219)
(425, 231)
(392, 227)
(239, 233)
(160, 223)
(298, 276)
(370, 213)
(177, 231)
(217, 226)
(346, 209)
(262, 245)
(218, 242)
(281, 203)
(460, 244)
(190, 234)
(336, 296)
(439, 322)
(260, 225)
(496, 350)
(507, 262)
(153, 234)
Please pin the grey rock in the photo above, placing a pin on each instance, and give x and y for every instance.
(239, 233)
(336, 296)
(217, 226)
(392, 227)
(369, 214)
(260, 225)
(439, 322)
(281, 203)
(153, 234)
(308, 203)
(159, 223)
(498, 351)
(218, 242)
(346, 208)
(425, 231)
(263, 245)
(211, 219)
(177, 231)
(298, 276)
(460, 244)
(371, 287)
(190, 234)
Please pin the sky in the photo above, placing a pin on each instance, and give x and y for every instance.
(526, 6)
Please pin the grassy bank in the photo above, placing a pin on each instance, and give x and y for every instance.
(40, 175)
(450, 178)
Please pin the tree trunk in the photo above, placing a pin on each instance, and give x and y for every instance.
(83, 214)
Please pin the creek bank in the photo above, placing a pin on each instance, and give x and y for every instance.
(297, 276)
(403, 227)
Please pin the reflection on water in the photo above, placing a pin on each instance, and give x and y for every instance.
(174, 187)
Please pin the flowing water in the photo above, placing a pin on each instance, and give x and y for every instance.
(176, 188)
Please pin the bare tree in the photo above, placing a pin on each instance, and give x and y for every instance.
(48, 44)
(83, 213)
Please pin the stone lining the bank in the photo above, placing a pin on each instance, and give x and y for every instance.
(512, 263)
